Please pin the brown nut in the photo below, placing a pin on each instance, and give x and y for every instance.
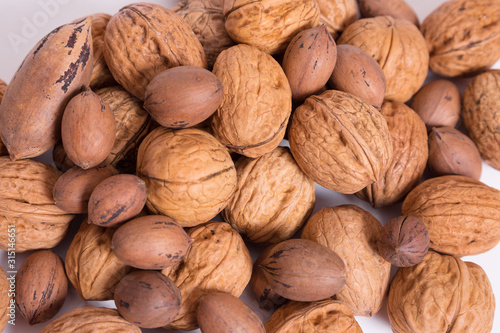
(223, 312)
(265, 295)
(88, 129)
(404, 241)
(458, 33)
(3, 87)
(462, 215)
(41, 287)
(357, 73)
(337, 15)
(147, 299)
(398, 9)
(7, 303)
(92, 267)
(452, 153)
(399, 48)
(150, 242)
(73, 189)
(183, 96)
(339, 141)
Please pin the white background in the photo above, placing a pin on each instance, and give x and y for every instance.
(23, 23)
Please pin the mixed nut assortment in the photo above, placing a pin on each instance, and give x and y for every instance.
(162, 119)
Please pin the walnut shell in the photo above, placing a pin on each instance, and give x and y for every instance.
(27, 203)
(339, 141)
(441, 294)
(268, 25)
(6, 300)
(207, 21)
(458, 33)
(398, 9)
(257, 102)
(353, 233)
(337, 14)
(461, 214)
(218, 260)
(91, 319)
(92, 267)
(189, 175)
(399, 48)
(322, 316)
(410, 152)
(481, 116)
(284, 201)
(3, 87)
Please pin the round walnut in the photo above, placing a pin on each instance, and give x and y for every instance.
(399, 48)
(27, 204)
(257, 101)
(337, 14)
(217, 260)
(410, 152)
(341, 142)
(481, 116)
(269, 25)
(144, 39)
(5, 299)
(273, 197)
(207, 21)
(189, 175)
(441, 294)
(353, 233)
(463, 36)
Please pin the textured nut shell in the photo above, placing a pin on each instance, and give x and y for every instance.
(398, 47)
(92, 267)
(257, 101)
(220, 311)
(60, 63)
(41, 286)
(91, 319)
(207, 21)
(339, 141)
(268, 25)
(353, 233)
(337, 14)
(458, 33)
(273, 198)
(453, 153)
(3, 149)
(144, 39)
(189, 174)
(481, 116)
(398, 9)
(461, 214)
(218, 260)
(410, 152)
(323, 316)
(5, 299)
(26, 201)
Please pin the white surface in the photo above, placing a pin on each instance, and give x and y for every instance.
(23, 23)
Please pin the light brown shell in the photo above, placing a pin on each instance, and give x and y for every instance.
(269, 25)
(398, 9)
(273, 198)
(322, 316)
(3, 149)
(461, 214)
(337, 14)
(189, 175)
(353, 233)
(257, 101)
(207, 21)
(481, 116)
(144, 39)
(5, 300)
(92, 267)
(218, 260)
(458, 33)
(26, 201)
(399, 48)
(339, 141)
(91, 319)
(410, 152)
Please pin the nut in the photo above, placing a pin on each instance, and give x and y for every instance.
(3, 87)
(353, 233)
(5, 299)
(337, 14)
(398, 9)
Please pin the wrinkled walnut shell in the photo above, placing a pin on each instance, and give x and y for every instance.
(337, 15)
(5, 299)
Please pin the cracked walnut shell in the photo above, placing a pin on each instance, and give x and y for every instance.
(337, 14)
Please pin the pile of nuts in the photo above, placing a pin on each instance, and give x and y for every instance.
(162, 119)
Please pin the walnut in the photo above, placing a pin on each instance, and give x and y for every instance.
(273, 197)
(441, 294)
(5, 300)
(257, 101)
(353, 233)
(399, 48)
(339, 141)
(3, 149)
(399, 9)
(217, 260)
(337, 14)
